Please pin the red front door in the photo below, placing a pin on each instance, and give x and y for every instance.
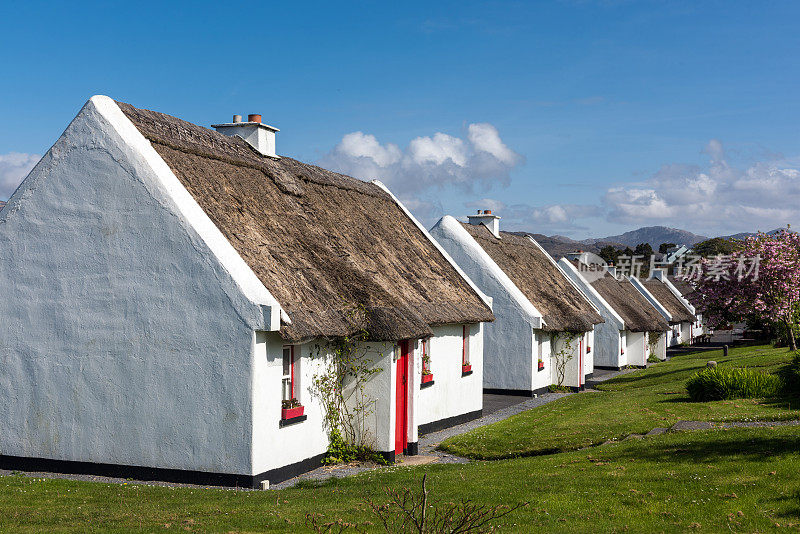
(401, 414)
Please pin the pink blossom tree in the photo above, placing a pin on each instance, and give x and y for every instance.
(763, 281)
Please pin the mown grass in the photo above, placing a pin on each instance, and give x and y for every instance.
(634, 403)
(712, 481)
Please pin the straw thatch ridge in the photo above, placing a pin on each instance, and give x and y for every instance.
(637, 312)
(338, 254)
(563, 307)
(679, 312)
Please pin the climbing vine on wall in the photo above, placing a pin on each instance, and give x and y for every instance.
(341, 390)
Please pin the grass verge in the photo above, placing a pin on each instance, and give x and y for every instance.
(712, 481)
(634, 403)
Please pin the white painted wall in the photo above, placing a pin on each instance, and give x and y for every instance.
(127, 331)
(574, 375)
(451, 394)
(274, 446)
(637, 350)
(588, 348)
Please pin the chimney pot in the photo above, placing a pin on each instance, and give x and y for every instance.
(254, 117)
(488, 212)
(237, 118)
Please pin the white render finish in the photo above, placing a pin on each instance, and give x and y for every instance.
(155, 344)
(144, 320)
(509, 359)
(492, 222)
(451, 393)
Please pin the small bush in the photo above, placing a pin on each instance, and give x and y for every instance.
(790, 373)
(653, 359)
(720, 383)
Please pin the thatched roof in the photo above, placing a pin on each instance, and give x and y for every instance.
(679, 312)
(563, 307)
(337, 253)
(637, 312)
(685, 288)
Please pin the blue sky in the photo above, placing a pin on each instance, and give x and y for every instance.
(577, 117)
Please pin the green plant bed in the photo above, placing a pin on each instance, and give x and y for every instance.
(633, 403)
(654, 359)
(719, 383)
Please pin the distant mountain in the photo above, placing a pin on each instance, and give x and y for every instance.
(2, 204)
(558, 245)
(745, 235)
(655, 235)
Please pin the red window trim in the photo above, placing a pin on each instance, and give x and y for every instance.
(291, 370)
(464, 346)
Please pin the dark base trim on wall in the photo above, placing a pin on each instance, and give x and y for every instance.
(180, 476)
(441, 424)
(279, 474)
(412, 448)
(608, 367)
(389, 456)
(589, 376)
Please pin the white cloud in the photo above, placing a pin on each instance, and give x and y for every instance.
(14, 166)
(719, 198)
(428, 163)
(554, 218)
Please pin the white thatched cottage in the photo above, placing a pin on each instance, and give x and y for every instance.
(633, 329)
(171, 294)
(668, 301)
(690, 296)
(542, 317)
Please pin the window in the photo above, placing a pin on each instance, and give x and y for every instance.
(426, 356)
(288, 373)
(539, 340)
(465, 346)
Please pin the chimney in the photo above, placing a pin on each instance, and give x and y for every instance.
(485, 217)
(658, 274)
(260, 136)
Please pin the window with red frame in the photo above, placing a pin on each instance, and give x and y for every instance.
(465, 346)
(287, 382)
(426, 356)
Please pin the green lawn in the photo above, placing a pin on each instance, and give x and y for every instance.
(740, 480)
(745, 480)
(633, 403)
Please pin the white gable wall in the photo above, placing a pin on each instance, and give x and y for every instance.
(509, 359)
(609, 340)
(125, 338)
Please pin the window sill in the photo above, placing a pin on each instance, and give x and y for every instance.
(466, 370)
(427, 384)
(292, 421)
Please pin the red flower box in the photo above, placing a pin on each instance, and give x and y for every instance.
(588, 349)
(291, 413)
(426, 378)
(541, 366)
(466, 368)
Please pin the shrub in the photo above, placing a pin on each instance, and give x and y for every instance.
(653, 359)
(790, 373)
(720, 383)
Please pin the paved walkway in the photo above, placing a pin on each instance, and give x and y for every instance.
(495, 408)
